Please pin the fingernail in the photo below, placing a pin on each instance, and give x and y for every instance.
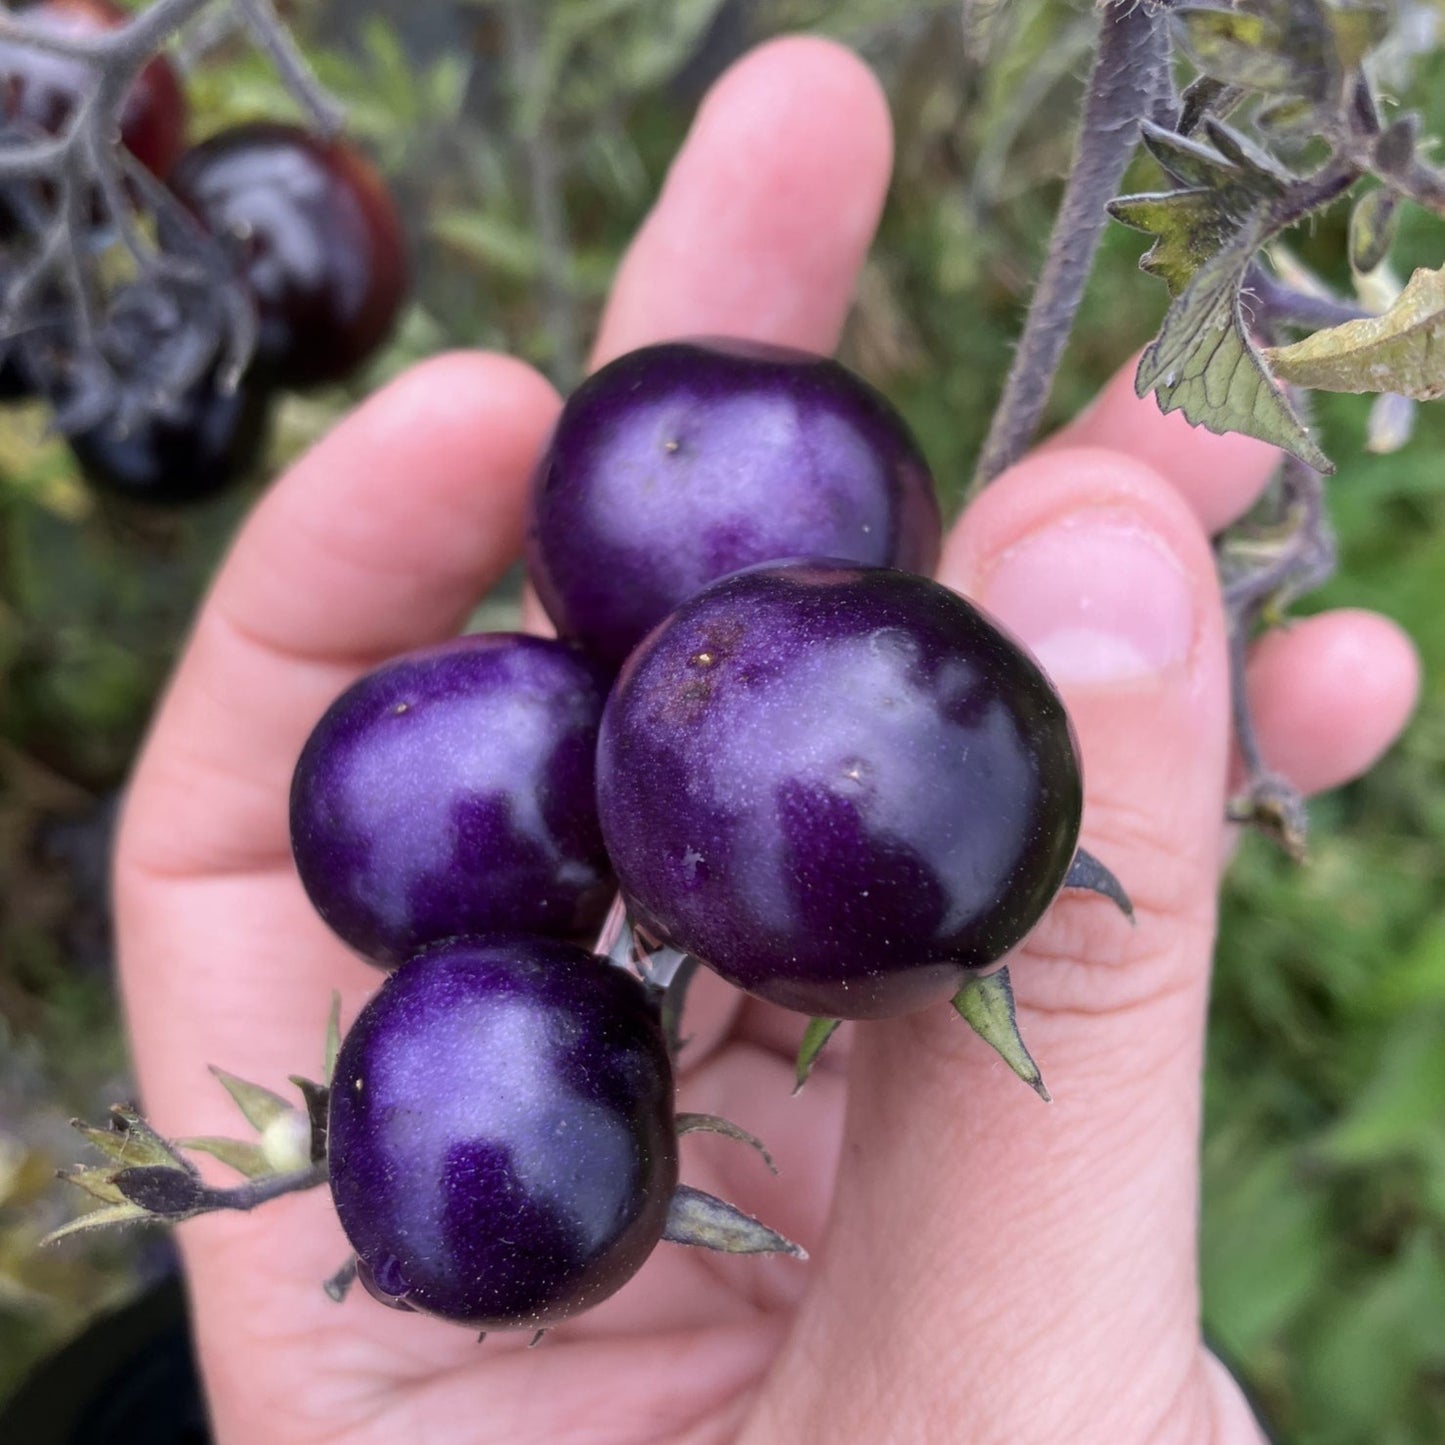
(1097, 597)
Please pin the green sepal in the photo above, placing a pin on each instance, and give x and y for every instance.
(258, 1104)
(815, 1036)
(129, 1140)
(98, 1183)
(112, 1214)
(986, 1005)
(333, 1039)
(238, 1154)
(706, 1222)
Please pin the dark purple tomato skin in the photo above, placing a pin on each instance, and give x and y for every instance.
(317, 239)
(501, 1141)
(680, 463)
(841, 788)
(213, 441)
(40, 91)
(453, 791)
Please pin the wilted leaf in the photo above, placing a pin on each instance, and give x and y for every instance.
(1402, 351)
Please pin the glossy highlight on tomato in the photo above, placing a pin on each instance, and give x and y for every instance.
(317, 240)
(501, 1136)
(452, 791)
(679, 463)
(842, 788)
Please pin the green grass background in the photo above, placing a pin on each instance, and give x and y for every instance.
(1324, 1211)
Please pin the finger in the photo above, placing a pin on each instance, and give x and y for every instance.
(1219, 476)
(768, 210)
(1329, 694)
(381, 539)
(967, 1209)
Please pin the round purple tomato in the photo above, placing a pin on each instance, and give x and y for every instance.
(501, 1139)
(840, 787)
(452, 791)
(680, 463)
(204, 442)
(317, 239)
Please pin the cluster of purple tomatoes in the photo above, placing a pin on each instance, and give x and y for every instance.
(796, 759)
(302, 221)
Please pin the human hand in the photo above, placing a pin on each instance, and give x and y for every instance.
(984, 1267)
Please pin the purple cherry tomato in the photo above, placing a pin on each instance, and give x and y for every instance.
(501, 1137)
(677, 464)
(452, 791)
(842, 788)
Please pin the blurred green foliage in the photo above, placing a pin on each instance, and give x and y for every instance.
(1324, 1211)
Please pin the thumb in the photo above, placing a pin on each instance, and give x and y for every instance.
(1030, 1268)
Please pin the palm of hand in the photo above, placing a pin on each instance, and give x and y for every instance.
(983, 1268)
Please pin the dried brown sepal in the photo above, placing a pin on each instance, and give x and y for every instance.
(714, 1124)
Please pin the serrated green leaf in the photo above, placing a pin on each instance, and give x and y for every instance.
(111, 1215)
(1203, 363)
(258, 1104)
(245, 1158)
(986, 1005)
(1402, 350)
(1373, 223)
(1282, 47)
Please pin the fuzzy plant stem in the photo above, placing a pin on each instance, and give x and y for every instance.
(1129, 79)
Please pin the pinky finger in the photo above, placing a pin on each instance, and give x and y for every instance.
(1330, 694)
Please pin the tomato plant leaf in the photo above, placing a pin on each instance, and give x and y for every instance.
(1282, 47)
(1401, 351)
(1206, 233)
